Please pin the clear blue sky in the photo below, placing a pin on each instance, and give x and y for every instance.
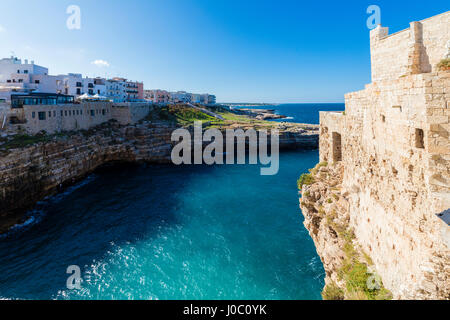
(243, 51)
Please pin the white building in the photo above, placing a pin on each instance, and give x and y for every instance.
(18, 77)
(123, 90)
(14, 66)
(206, 99)
(100, 87)
(72, 83)
(116, 90)
(180, 97)
(157, 96)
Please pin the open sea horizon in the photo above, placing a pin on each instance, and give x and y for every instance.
(300, 112)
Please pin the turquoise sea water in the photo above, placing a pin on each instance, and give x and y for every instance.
(167, 232)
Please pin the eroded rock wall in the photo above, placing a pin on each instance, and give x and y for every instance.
(29, 174)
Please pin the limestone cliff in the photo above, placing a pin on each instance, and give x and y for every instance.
(350, 273)
(31, 173)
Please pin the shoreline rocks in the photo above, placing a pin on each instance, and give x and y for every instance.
(262, 114)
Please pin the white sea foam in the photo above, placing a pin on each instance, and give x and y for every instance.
(35, 216)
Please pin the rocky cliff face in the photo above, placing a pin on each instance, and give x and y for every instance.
(352, 268)
(350, 273)
(29, 174)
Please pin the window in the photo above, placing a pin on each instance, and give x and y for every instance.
(25, 71)
(33, 114)
(419, 137)
(103, 111)
(61, 113)
(37, 81)
(49, 114)
(92, 113)
(18, 71)
(78, 91)
(54, 114)
(41, 115)
(81, 112)
(20, 80)
(337, 147)
(65, 113)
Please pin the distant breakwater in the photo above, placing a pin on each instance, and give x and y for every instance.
(29, 174)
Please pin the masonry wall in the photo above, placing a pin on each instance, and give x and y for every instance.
(130, 113)
(415, 50)
(331, 122)
(396, 159)
(67, 117)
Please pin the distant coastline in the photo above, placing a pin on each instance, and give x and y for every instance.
(248, 104)
(294, 112)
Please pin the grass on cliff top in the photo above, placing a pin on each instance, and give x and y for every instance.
(184, 115)
(23, 140)
(360, 282)
(181, 115)
(333, 292)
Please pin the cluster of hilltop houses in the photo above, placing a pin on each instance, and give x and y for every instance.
(165, 97)
(32, 99)
(17, 77)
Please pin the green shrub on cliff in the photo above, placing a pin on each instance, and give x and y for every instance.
(357, 283)
(332, 292)
(180, 114)
(444, 64)
(356, 274)
(317, 167)
(24, 140)
(305, 179)
(356, 278)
